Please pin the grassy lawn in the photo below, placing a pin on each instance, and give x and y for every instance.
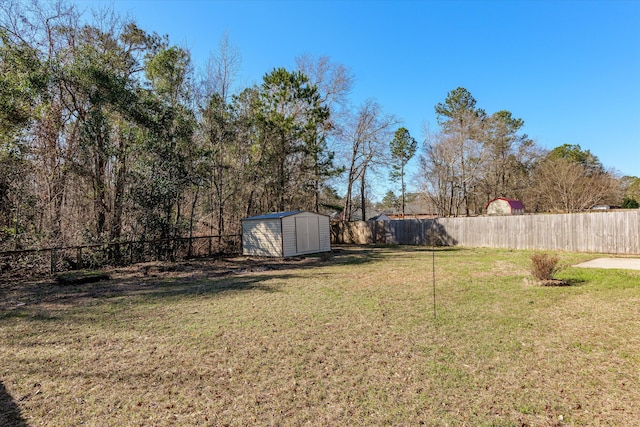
(346, 341)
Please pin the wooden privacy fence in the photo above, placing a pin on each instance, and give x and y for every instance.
(52, 260)
(614, 232)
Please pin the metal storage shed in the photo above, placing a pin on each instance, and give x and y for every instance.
(284, 234)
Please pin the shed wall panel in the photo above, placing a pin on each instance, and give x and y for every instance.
(325, 233)
(320, 237)
(307, 234)
(289, 236)
(262, 238)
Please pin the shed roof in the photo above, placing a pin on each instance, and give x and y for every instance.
(272, 215)
(513, 203)
(277, 215)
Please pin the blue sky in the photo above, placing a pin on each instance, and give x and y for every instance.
(569, 69)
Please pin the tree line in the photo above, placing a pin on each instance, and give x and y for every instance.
(476, 157)
(109, 133)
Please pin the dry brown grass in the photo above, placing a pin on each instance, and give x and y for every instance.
(347, 341)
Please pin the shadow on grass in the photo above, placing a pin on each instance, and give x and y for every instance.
(355, 255)
(370, 253)
(575, 282)
(44, 300)
(10, 414)
(428, 249)
(563, 283)
(203, 286)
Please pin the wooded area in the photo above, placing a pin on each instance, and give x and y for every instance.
(40, 262)
(614, 232)
(109, 133)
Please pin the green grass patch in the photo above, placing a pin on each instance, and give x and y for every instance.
(346, 340)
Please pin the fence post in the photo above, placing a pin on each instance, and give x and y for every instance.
(79, 258)
(53, 260)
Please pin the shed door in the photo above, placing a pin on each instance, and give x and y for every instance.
(307, 234)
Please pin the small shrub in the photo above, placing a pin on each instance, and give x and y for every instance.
(544, 266)
(630, 203)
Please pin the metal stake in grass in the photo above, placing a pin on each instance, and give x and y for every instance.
(432, 238)
(433, 270)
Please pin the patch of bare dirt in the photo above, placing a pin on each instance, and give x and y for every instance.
(207, 267)
(550, 282)
(20, 293)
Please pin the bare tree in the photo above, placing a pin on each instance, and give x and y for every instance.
(463, 123)
(217, 130)
(563, 185)
(439, 175)
(222, 70)
(366, 141)
(333, 82)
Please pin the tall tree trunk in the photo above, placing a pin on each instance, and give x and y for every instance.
(348, 205)
(282, 183)
(48, 131)
(363, 199)
(191, 220)
(100, 193)
(316, 187)
(402, 185)
(220, 222)
(118, 193)
(346, 213)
